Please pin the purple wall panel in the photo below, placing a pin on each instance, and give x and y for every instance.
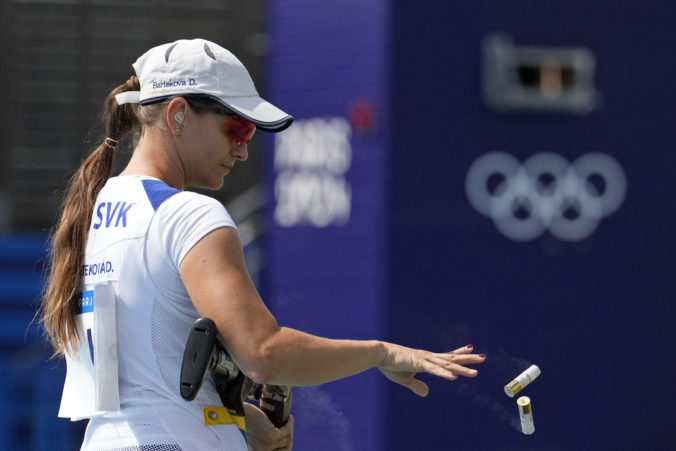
(325, 271)
(417, 264)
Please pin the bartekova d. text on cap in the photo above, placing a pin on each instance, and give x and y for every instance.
(201, 67)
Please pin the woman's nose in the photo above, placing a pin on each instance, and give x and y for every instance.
(241, 152)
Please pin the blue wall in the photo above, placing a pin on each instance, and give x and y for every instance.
(416, 264)
(31, 383)
(597, 315)
(325, 272)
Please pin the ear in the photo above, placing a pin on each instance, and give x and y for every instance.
(175, 116)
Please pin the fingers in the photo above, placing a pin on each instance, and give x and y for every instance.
(282, 438)
(286, 443)
(402, 364)
(287, 429)
(449, 370)
(283, 434)
(440, 370)
(464, 350)
(418, 387)
(454, 362)
(460, 359)
(290, 425)
(263, 435)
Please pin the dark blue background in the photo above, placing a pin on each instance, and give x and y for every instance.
(597, 316)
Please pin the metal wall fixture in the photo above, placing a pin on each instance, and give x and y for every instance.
(537, 79)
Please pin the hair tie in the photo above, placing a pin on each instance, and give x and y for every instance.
(110, 142)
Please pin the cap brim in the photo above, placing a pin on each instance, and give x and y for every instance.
(265, 115)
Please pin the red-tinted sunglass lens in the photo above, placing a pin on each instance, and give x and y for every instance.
(240, 130)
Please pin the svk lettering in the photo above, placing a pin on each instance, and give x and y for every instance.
(106, 213)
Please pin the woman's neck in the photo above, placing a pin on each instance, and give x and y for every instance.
(157, 158)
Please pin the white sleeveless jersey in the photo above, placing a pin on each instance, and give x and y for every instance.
(134, 319)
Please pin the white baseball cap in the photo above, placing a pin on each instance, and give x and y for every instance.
(200, 67)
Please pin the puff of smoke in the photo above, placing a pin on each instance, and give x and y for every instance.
(509, 363)
(482, 401)
(317, 409)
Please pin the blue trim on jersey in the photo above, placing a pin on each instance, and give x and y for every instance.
(90, 340)
(158, 191)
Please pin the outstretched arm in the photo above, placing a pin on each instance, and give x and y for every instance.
(218, 283)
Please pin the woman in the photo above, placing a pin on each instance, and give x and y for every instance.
(135, 260)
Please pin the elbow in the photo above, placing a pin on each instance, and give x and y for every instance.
(260, 377)
(264, 367)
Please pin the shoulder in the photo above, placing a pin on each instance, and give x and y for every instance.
(183, 219)
(189, 201)
(190, 211)
(157, 191)
(163, 197)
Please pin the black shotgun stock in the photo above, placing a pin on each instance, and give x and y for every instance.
(205, 356)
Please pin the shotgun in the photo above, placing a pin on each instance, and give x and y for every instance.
(206, 356)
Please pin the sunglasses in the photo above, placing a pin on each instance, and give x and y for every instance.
(237, 128)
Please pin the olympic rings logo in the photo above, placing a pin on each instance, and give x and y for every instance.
(546, 192)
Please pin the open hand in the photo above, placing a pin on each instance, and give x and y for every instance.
(401, 364)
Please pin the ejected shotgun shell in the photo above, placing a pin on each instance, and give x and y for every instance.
(522, 380)
(525, 415)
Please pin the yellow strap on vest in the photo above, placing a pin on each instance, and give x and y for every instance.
(221, 415)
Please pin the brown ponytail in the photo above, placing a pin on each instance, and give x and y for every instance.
(69, 238)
